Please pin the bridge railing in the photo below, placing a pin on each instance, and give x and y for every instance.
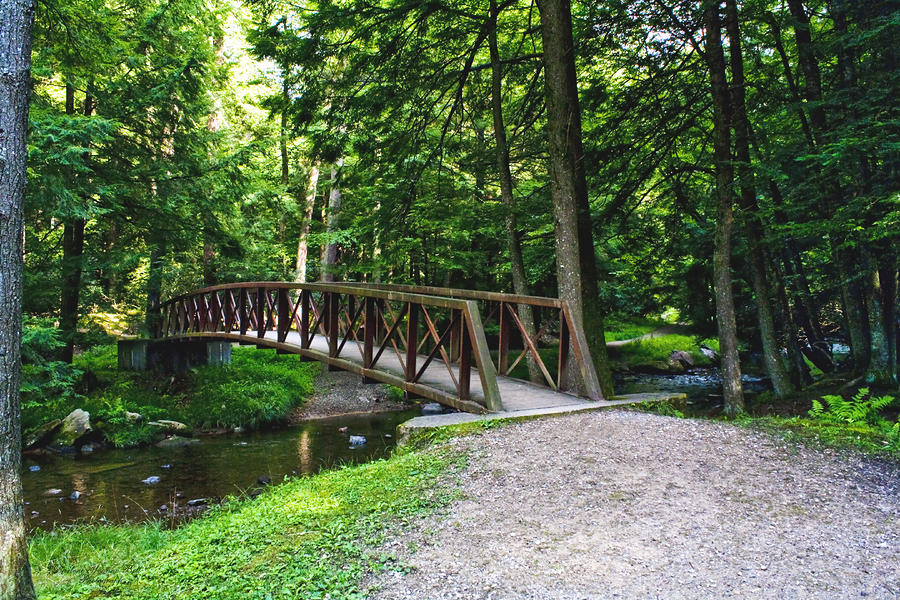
(352, 328)
(553, 318)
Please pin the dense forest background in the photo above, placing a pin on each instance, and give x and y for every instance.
(744, 147)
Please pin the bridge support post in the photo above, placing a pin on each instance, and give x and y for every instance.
(370, 323)
(503, 353)
(260, 312)
(412, 339)
(333, 319)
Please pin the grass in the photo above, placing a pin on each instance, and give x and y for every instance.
(313, 537)
(625, 329)
(655, 350)
(258, 388)
(872, 440)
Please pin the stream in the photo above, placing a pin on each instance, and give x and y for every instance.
(703, 388)
(118, 486)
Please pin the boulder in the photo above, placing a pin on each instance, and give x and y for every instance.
(169, 425)
(41, 434)
(263, 480)
(75, 426)
(197, 502)
(709, 353)
(133, 417)
(150, 480)
(357, 440)
(683, 358)
(432, 408)
(177, 442)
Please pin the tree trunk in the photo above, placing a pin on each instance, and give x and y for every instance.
(154, 289)
(513, 241)
(888, 280)
(303, 244)
(576, 266)
(725, 313)
(857, 324)
(330, 256)
(881, 369)
(73, 250)
(16, 17)
(283, 138)
(772, 358)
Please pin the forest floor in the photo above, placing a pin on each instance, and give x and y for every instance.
(620, 504)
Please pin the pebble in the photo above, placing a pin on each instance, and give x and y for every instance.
(151, 480)
(34, 468)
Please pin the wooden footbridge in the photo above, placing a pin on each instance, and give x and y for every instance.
(456, 347)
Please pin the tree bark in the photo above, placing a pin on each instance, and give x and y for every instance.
(513, 240)
(303, 243)
(576, 265)
(154, 288)
(772, 358)
(16, 17)
(881, 369)
(857, 323)
(330, 256)
(725, 313)
(283, 137)
(73, 250)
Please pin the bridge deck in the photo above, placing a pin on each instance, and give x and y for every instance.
(517, 394)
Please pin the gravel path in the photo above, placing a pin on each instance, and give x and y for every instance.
(344, 393)
(619, 504)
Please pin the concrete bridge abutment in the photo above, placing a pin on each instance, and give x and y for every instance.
(172, 356)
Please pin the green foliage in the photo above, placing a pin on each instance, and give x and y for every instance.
(48, 386)
(307, 538)
(259, 388)
(860, 408)
(665, 409)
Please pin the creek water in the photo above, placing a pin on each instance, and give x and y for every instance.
(116, 485)
(703, 388)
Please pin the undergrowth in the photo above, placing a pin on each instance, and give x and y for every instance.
(310, 538)
(258, 388)
(836, 422)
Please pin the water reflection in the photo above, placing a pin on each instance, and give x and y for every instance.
(110, 483)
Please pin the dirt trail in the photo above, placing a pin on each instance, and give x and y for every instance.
(620, 504)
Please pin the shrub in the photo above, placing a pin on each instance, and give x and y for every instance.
(48, 385)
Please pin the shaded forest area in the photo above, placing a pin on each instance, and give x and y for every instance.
(734, 164)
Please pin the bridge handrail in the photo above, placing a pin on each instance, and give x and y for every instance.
(588, 371)
(462, 294)
(203, 312)
(215, 311)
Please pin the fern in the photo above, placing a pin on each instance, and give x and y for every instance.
(859, 409)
